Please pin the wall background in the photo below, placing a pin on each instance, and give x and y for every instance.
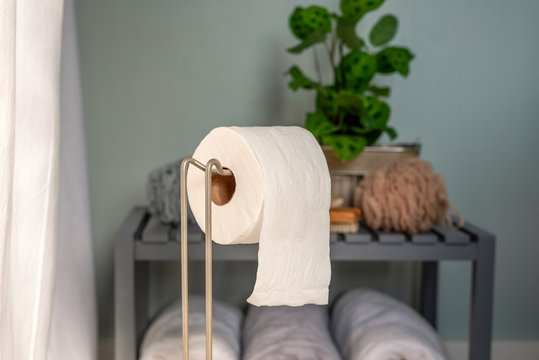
(157, 76)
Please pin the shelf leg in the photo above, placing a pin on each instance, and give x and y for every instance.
(428, 305)
(482, 299)
(142, 291)
(124, 296)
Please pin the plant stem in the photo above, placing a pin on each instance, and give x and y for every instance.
(340, 117)
(317, 66)
(331, 55)
(333, 43)
(341, 55)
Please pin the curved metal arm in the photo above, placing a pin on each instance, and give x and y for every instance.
(208, 169)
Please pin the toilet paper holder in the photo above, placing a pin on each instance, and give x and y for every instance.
(219, 186)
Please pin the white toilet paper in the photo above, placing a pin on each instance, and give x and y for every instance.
(281, 201)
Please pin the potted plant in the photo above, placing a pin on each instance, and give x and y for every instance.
(350, 112)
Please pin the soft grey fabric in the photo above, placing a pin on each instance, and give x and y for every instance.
(368, 325)
(163, 340)
(163, 193)
(286, 333)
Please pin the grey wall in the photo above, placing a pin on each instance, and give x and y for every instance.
(158, 75)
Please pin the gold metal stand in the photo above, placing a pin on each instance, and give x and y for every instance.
(212, 167)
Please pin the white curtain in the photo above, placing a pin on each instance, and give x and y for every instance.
(74, 308)
(30, 42)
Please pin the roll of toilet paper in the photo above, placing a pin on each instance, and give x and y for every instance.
(281, 201)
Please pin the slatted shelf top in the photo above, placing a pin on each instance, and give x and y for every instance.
(157, 241)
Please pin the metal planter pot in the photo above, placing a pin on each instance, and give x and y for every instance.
(346, 175)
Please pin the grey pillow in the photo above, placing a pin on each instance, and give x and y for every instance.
(286, 333)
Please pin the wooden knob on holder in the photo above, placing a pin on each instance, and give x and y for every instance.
(222, 188)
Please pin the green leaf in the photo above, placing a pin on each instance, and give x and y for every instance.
(303, 22)
(348, 99)
(326, 102)
(358, 68)
(360, 130)
(375, 115)
(299, 80)
(319, 126)
(345, 147)
(353, 10)
(384, 31)
(347, 32)
(372, 137)
(393, 59)
(391, 132)
(310, 40)
(334, 16)
(379, 91)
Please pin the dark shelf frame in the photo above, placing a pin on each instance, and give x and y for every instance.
(142, 239)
